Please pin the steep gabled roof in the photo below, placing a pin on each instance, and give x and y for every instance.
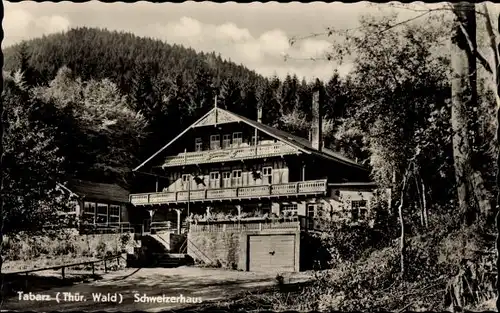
(297, 142)
(98, 191)
(173, 140)
(303, 143)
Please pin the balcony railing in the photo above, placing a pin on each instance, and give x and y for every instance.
(240, 227)
(297, 188)
(123, 227)
(236, 153)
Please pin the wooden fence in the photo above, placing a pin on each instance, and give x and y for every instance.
(63, 267)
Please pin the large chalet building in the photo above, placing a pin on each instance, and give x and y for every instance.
(245, 192)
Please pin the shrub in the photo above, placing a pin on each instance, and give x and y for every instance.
(124, 240)
(100, 248)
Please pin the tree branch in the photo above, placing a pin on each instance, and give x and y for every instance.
(427, 10)
(473, 50)
(330, 31)
(404, 22)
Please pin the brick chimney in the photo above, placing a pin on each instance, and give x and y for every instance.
(317, 125)
(259, 114)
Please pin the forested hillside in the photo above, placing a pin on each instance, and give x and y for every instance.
(167, 84)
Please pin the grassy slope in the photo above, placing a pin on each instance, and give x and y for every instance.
(24, 251)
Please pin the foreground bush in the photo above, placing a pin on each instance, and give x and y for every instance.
(62, 244)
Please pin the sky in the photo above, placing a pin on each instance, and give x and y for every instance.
(256, 35)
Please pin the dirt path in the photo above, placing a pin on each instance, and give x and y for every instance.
(129, 284)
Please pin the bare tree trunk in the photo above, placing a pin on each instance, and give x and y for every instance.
(464, 93)
(477, 182)
(481, 193)
(424, 204)
(402, 245)
(497, 217)
(420, 202)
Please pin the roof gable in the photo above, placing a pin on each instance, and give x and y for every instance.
(220, 116)
(216, 116)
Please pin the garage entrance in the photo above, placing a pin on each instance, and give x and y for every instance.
(271, 253)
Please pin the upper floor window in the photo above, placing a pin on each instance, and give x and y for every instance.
(267, 175)
(226, 141)
(214, 180)
(237, 178)
(226, 179)
(185, 181)
(198, 144)
(359, 209)
(214, 142)
(237, 139)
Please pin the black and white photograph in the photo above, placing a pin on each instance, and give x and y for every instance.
(204, 156)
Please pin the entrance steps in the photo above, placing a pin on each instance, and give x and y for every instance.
(170, 259)
(160, 250)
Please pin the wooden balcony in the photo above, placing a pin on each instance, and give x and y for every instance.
(238, 193)
(236, 153)
(291, 223)
(244, 226)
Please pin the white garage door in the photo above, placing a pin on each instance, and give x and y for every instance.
(271, 253)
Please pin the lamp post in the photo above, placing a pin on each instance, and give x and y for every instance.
(189, 192)
(189, 197)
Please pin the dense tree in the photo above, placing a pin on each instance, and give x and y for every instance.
(100, 132)
(32, 162)
(288, 94)
(268, 100)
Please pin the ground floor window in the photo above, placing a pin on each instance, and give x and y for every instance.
(289, 209)
(101, 213)
(89, 209)
(114, 213)
(359, 209)
(310, 215)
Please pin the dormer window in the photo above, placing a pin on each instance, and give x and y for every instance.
(237, 139)
(198, 144)
(214, 142)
